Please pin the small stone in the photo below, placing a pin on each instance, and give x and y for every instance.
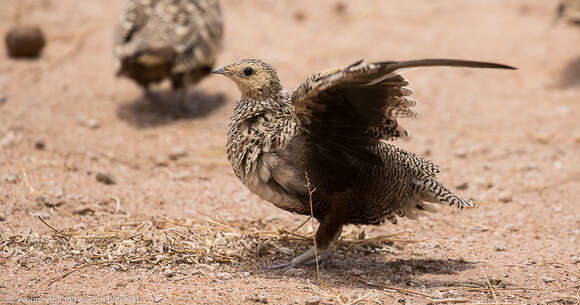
(499, 247)
(461, 154)
(547, 279)
(10, 139)
(470, 239)
(50, 202)
(158, 298)
(89, 122)
(40, 145)
(3, 99)
(12, 178)
(299, 16)
(105, 178)
(505, 197)
(246, 274)
(462, 186)
(510, 227)
(312, 301)
(84, 211)
(356, 272)
(2, 216)
(340, 7)
(224, 276)
(168, 273)
(92, 156)
(25, 41)
(259, 298)
(178, 152)
(574, 279)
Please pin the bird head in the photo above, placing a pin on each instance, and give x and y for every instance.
(253, 77)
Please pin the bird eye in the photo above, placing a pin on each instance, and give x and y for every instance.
(248, 71)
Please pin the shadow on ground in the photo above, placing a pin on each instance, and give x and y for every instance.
(165, 108)
(373, 270)
(570, 76)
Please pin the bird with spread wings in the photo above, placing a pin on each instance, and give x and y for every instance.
(331, 133)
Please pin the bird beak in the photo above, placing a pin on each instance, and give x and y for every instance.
(220, 70)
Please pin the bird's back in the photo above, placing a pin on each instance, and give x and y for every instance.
(167, 37)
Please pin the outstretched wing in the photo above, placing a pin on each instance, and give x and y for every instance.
(362, 101)
(347, 111)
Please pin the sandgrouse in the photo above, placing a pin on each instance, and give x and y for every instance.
(333, 128)
(175, 39)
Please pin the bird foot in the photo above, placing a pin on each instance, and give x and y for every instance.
(305, 259)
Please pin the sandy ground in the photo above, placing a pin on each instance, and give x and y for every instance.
(510, 140)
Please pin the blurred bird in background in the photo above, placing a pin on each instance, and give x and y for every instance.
(173, 39)
(331, 133)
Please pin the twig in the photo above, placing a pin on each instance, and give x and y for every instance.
(310, 192)
(25, 176)
(300, 226)
(397, 289)
(53, 228)
(490, 286)
(58, 278)
(439, 301)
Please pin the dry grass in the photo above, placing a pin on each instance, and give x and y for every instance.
(158, 242)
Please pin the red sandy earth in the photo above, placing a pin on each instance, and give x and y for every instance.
(504, 133)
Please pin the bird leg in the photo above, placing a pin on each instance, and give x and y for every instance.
(181, 82)
(326, 236)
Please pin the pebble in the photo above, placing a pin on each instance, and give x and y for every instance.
(470, 239)
(178, 152)
(356, 271)
(2, 216)
(89, 122)
(505, 197)
(312, 301)
(499, 247)
(105, 178)
(574, 279)
(462, 154)
(168, 273)
(40, 145)
(511, 227)
(547, 279)
(260, 298)
(25, 41)
(10, 139)
(2, 99)
(158, 298)
(224, 276)
(84, 211)
(463, 186)
(11, 178)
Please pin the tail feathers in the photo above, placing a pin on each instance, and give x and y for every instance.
(433, 191)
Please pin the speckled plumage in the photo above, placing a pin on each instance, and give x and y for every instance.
(175, 39)
(333, 128)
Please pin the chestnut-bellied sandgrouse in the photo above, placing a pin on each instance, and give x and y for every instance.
(334, 129)
(174, 39)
